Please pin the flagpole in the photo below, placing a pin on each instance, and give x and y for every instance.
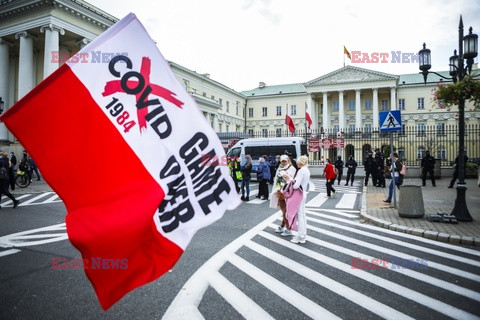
(344, 56)
(286, 125)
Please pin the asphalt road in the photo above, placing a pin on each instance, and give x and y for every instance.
(240, 268)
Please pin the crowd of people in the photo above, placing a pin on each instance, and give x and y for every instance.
(8, 172)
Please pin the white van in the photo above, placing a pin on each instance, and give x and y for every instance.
(257, 147)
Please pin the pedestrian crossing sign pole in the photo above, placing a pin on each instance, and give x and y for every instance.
(391, 121)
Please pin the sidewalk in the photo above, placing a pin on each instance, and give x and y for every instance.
(34, 187)
(436, 199)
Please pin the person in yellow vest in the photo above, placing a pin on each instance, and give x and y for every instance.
(235, 172)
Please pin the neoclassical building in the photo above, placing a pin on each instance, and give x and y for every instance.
(36, 36)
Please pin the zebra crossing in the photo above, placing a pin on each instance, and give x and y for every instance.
(333, 275)
(31, 199)
(345, 197)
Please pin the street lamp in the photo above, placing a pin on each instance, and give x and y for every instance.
(468, 50)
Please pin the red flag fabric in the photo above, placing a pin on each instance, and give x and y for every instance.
(130, 154)
(308, 118)
(289, 123)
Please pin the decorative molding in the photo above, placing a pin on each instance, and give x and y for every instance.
(350, 74)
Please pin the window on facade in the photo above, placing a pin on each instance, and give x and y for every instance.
(368, 104)
(186, 84)
(335, 106)
(351, 105)
(279, 110)
(220, 101)
(351, 128)
(401, 104)
(250, 112)
(228, 106)
(236, 109)
(368, 127)
(264, 112)
(421, 129)
(440, 128)
(421, 152)
(420, 103)
(384, 105)
(250, 132)
(204, 94)
(264, 133)
(441, 153)
(227, 128)
(293, 110)
(336, 128)
(402, 132)
(278, 132)
(212, 97)
(321, 108)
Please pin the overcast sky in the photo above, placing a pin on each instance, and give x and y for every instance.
(242, 42)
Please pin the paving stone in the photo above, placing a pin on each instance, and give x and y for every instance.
(455, 239)
(402, 229)
(417, 232)
(467, 240)
(430, 234)
(444, 237)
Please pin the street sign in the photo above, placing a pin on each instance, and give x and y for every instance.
(326, 143)
(339, 143)
(390, 121)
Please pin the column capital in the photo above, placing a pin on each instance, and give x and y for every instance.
(82, 42)
(375, 89)
(52, 27)
(358, 90)
(24, 34)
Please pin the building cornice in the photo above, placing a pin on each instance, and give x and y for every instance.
(12, 10)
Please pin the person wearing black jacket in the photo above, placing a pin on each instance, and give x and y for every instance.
(379, 168)
(455, 172)
(428, 166)
(339, 167)
(246, 176)
(369, 166)
(4, 179)
(351, 166)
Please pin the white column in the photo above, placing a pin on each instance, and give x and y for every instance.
(4, 83)
(326, 112)
(215, 123)
(51, 51)
(375, 124)
(393, 98)
(25, 64)
(341, 112)
(64, 53)
(358, 111)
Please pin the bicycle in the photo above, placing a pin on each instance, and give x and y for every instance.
(22, 180)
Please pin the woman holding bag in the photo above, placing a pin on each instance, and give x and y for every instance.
(295, 203)
(277, 198)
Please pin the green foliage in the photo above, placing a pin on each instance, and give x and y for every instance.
(448, 95)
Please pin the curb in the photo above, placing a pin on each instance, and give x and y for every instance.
(429, 234)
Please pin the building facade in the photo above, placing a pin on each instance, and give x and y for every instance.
(37, 36)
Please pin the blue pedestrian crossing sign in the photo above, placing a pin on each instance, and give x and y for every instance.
(390, 121)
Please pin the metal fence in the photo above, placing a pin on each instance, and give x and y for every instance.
(411, 143)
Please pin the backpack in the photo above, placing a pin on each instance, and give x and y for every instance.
(403, 171)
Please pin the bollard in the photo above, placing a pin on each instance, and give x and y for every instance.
(410, 202)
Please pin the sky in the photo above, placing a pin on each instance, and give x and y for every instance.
(243, 42)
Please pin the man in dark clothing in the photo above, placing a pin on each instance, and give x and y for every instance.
(428, 166)
(4, 179)
(13, 161)
(351, 166)
(455, 172)
(339, 167)
(380, 168)
(369, 166)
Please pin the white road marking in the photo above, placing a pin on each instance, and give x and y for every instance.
(42, 195)
(347, 201)
(22, 239)
(8, 252)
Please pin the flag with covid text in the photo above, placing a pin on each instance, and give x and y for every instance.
(125, 147)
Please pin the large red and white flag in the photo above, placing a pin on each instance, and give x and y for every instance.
(125, 147)
(289, 122)
(308, 112)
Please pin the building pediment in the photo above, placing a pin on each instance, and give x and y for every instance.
(350, 74)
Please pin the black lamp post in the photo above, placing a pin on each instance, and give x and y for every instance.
(468, 50)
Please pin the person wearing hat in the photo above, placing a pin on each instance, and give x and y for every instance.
(428, 166)
(5, 167)
(339, 168)
(277, 199)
